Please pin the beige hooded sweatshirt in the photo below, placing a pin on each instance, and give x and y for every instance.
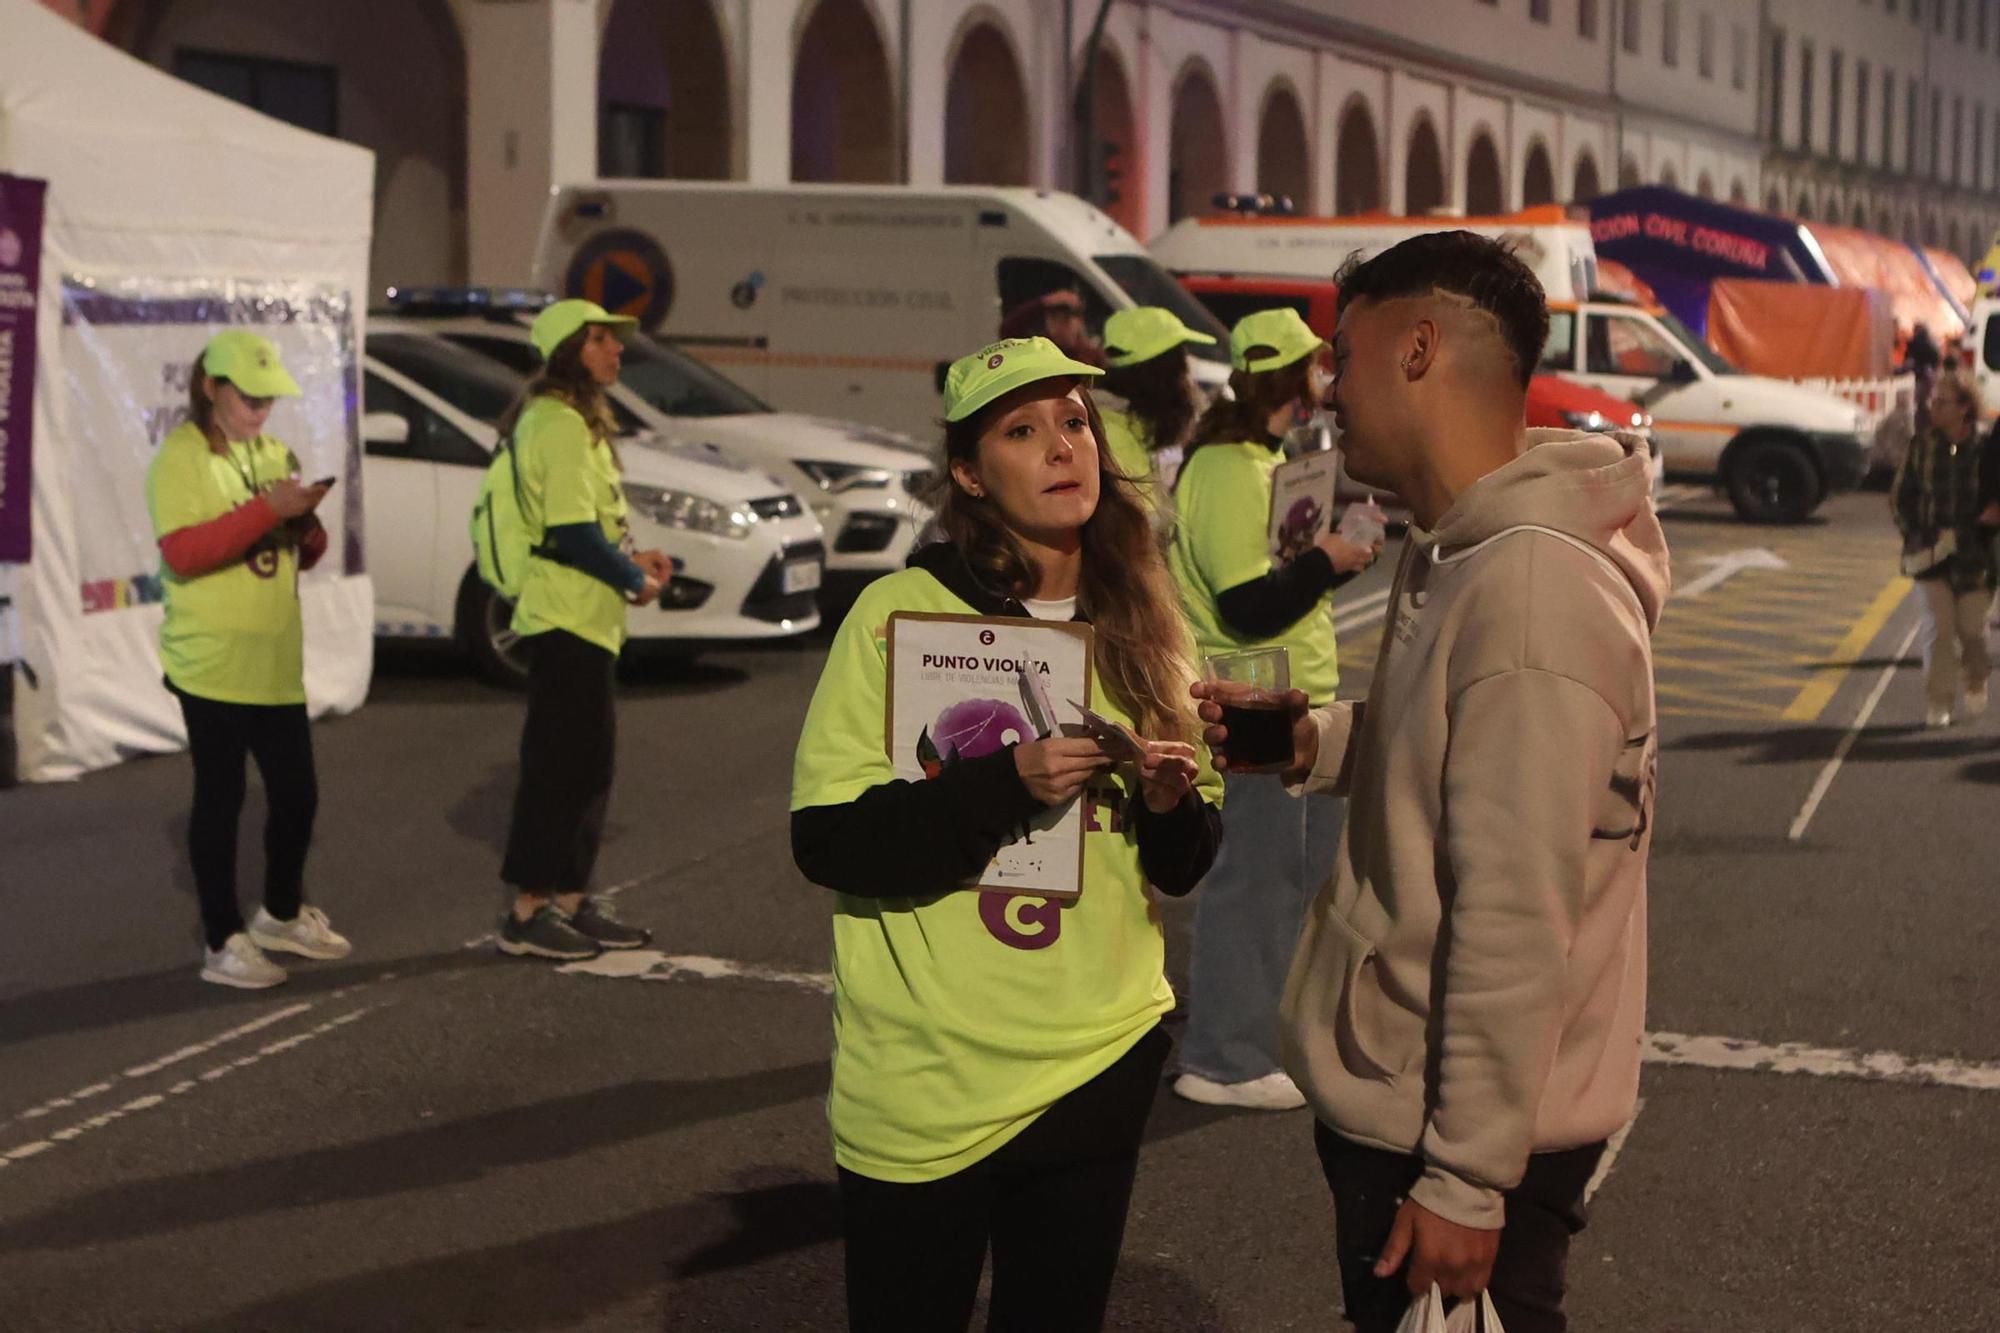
(1471, 985)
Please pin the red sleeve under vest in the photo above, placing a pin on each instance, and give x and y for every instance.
(203, 548)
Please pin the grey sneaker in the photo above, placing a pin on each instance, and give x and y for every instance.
(595, 921)
(546, 934)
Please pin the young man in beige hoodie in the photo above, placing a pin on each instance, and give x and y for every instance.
(1465, 1008)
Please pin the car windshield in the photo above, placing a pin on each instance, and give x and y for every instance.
(1148, 284)
(681, 386)
(481, 388)
(1695, 347)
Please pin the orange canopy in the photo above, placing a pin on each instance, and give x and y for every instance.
(1618, 280)
(1951, 271)
(1794, 330)
(1862, 259)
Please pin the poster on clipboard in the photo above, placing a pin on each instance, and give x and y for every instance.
(960, 687)
(1302, 495)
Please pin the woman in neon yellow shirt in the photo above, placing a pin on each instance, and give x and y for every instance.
(996, 1054)
(571, 617)
(1278, 850)
(1148, 427)
(235, 526)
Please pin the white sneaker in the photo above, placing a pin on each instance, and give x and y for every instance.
(306, 934)
(1937, 718)
(1273, 1092)
(239, 962)
(1975, 701)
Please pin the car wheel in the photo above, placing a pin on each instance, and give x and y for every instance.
(1772, 481)
(485, 627)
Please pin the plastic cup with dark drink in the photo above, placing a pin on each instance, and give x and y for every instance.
(1258, 723)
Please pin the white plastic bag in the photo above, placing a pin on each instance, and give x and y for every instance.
(1426, 1315)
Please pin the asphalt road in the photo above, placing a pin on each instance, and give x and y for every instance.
(428, 1136)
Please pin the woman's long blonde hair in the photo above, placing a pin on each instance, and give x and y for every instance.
(1142, 654)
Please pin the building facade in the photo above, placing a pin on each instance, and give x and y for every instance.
(1881, 113)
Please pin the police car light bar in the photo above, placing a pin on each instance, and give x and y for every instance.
(466, 300)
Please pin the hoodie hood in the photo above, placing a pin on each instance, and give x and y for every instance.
(1595, 488)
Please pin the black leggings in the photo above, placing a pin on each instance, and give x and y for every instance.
(1051, 1204)
(568, 749)
(280, 739)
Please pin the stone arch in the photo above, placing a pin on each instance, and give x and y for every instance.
(1538, 176)
(1424, 189)
(988, 123)
(1117, 140)
(1198, 142)
(1284, 159)
(1357, 170)
(843, 97)
(1586, 186)
(1485, 187)
(1629, 174)
(1739, 193)
(1669, 177)
(1704, 186)
(400, 67)
(1774, 200)
(663, 95)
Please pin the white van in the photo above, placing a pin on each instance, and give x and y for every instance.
(846, 300)
(1558, 248)
(754, 554)
(1777, 449)
(1982, 346)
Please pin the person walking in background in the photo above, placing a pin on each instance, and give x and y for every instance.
(1276, 850)
(571, 618)
(996, 1055)
(1057, 316)
(1941, 496)
(1148, 426)
(1466, 1006)
(235, 527)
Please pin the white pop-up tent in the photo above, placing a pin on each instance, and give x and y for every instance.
(170, 213)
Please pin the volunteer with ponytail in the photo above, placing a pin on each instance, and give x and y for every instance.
(571, 619)
(1278, 849)
(235, 526)
(996, 1055)
(1148, 427)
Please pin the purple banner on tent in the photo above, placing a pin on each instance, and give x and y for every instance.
(21, 202)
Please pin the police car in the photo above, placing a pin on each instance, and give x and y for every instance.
(864, 483)
(754, 553)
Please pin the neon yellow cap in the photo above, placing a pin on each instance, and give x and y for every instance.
(998, 369)
(554, 326)
(1282, 330)
(1143, 332)
(250, 362)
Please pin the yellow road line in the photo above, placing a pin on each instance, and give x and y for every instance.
(1813, 699)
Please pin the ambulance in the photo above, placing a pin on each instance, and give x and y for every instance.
(846, 301)
(1777, 449)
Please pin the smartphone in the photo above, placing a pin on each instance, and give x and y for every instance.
(326, 481)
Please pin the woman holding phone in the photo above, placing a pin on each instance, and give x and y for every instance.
(1277, 849)
(571, 616)
(996, 1054)
(235, 527)
(1148, 427)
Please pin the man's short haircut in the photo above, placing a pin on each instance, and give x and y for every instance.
(1481, 270)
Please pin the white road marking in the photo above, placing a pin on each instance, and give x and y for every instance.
(1824, 782)
(1611, 1151)
(71, 1133)
(1729, 564)
(655, 965)
(1792, 1057)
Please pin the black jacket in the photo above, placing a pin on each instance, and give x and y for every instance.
(922, 839)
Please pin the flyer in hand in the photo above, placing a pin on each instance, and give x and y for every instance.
(1302, 493)
(961, 687)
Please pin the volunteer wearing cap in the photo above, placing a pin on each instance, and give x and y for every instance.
(1146, 349)
(571, 619)
(995, 1054)
(1277, 849)
(235, 527)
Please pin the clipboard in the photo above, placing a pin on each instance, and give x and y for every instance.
(955, 690)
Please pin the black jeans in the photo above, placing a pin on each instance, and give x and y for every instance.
(1543, 1212)
(1051, 1204)
(280, 739)
(568, 746)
